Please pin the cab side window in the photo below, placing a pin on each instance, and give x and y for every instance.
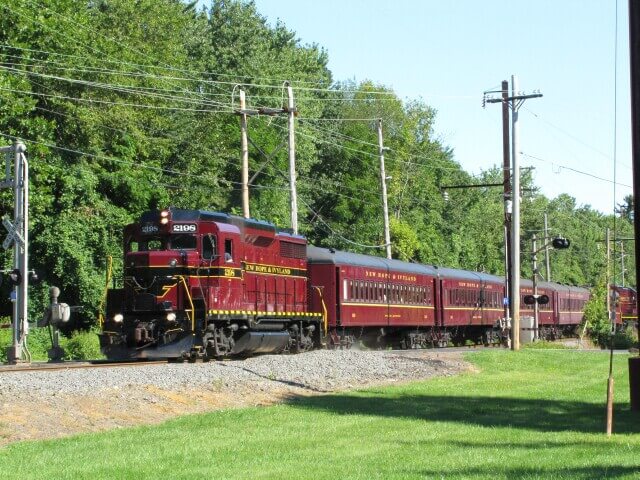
(209, 247)
(228, 250)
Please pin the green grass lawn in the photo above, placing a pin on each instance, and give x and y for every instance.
(530, 414)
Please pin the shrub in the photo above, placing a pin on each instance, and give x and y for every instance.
(82, 345)
(38, 341)
(595, 315)
(5, 341)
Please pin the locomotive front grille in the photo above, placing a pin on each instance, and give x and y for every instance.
(144, 302)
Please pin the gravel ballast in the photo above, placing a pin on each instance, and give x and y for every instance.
(45, 404)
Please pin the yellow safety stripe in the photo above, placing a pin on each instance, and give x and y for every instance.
(387, 305)
(473, 309)
(261, 313)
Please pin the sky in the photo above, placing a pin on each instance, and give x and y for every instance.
(448, 52)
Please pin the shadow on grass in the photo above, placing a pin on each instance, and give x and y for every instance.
(591, 472)
(530, 414)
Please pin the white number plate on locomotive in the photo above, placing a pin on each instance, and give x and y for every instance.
(184, 228)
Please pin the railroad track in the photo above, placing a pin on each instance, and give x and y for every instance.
(45, 366)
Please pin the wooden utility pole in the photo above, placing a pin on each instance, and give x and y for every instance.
(291, 110)
(245, 155)
(622, 261)
(536, 307)
(514, 102)
(610, 379)
(383, 183)
(546, 249)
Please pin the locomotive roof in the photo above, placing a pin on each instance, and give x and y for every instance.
(185, 215)
(336, 257)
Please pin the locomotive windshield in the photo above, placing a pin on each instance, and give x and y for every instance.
(182, 242)
(148, 244)
(168, 242)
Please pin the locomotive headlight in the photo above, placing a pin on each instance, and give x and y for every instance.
(164, 217)
(171, 317)
(164, 220)
(118, 318)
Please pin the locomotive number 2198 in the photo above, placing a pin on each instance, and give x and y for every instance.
(184, 228)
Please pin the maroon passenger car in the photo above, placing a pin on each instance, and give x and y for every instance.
(374, 299)
(471, 305)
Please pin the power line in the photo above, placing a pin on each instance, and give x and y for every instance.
(120, 104)
(577, 171)
(116, 88)
(573, 137)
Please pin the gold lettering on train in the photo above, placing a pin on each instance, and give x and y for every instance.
(388, 276)
(268, 269)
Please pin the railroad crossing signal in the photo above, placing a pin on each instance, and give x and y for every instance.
(533, 299)
(560, 243)
(14, 234)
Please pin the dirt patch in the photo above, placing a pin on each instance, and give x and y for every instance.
(60, 415)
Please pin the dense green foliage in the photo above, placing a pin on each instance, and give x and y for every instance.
(79, 345)
(532, 414)
(128, 106)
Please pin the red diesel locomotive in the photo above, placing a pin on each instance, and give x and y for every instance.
(201, 284)
(204, 284)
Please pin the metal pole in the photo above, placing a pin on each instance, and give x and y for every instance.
(17, 219)
(534, 259)
(546, 248)
(292, 160)
(507, 285)
(515, 222)
(383, 183)
(506, 176)
(622, 261)
(24, 285)
(245, 155)
(20, 257)
(608, 240)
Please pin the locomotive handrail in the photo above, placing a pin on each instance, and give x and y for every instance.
(193, 310)
(325, 319)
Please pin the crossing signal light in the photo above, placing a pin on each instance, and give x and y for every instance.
(15, 277)
(560, 243)
(539, 299)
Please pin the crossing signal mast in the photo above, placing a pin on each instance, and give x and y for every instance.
(559, 243)
(18, 236)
